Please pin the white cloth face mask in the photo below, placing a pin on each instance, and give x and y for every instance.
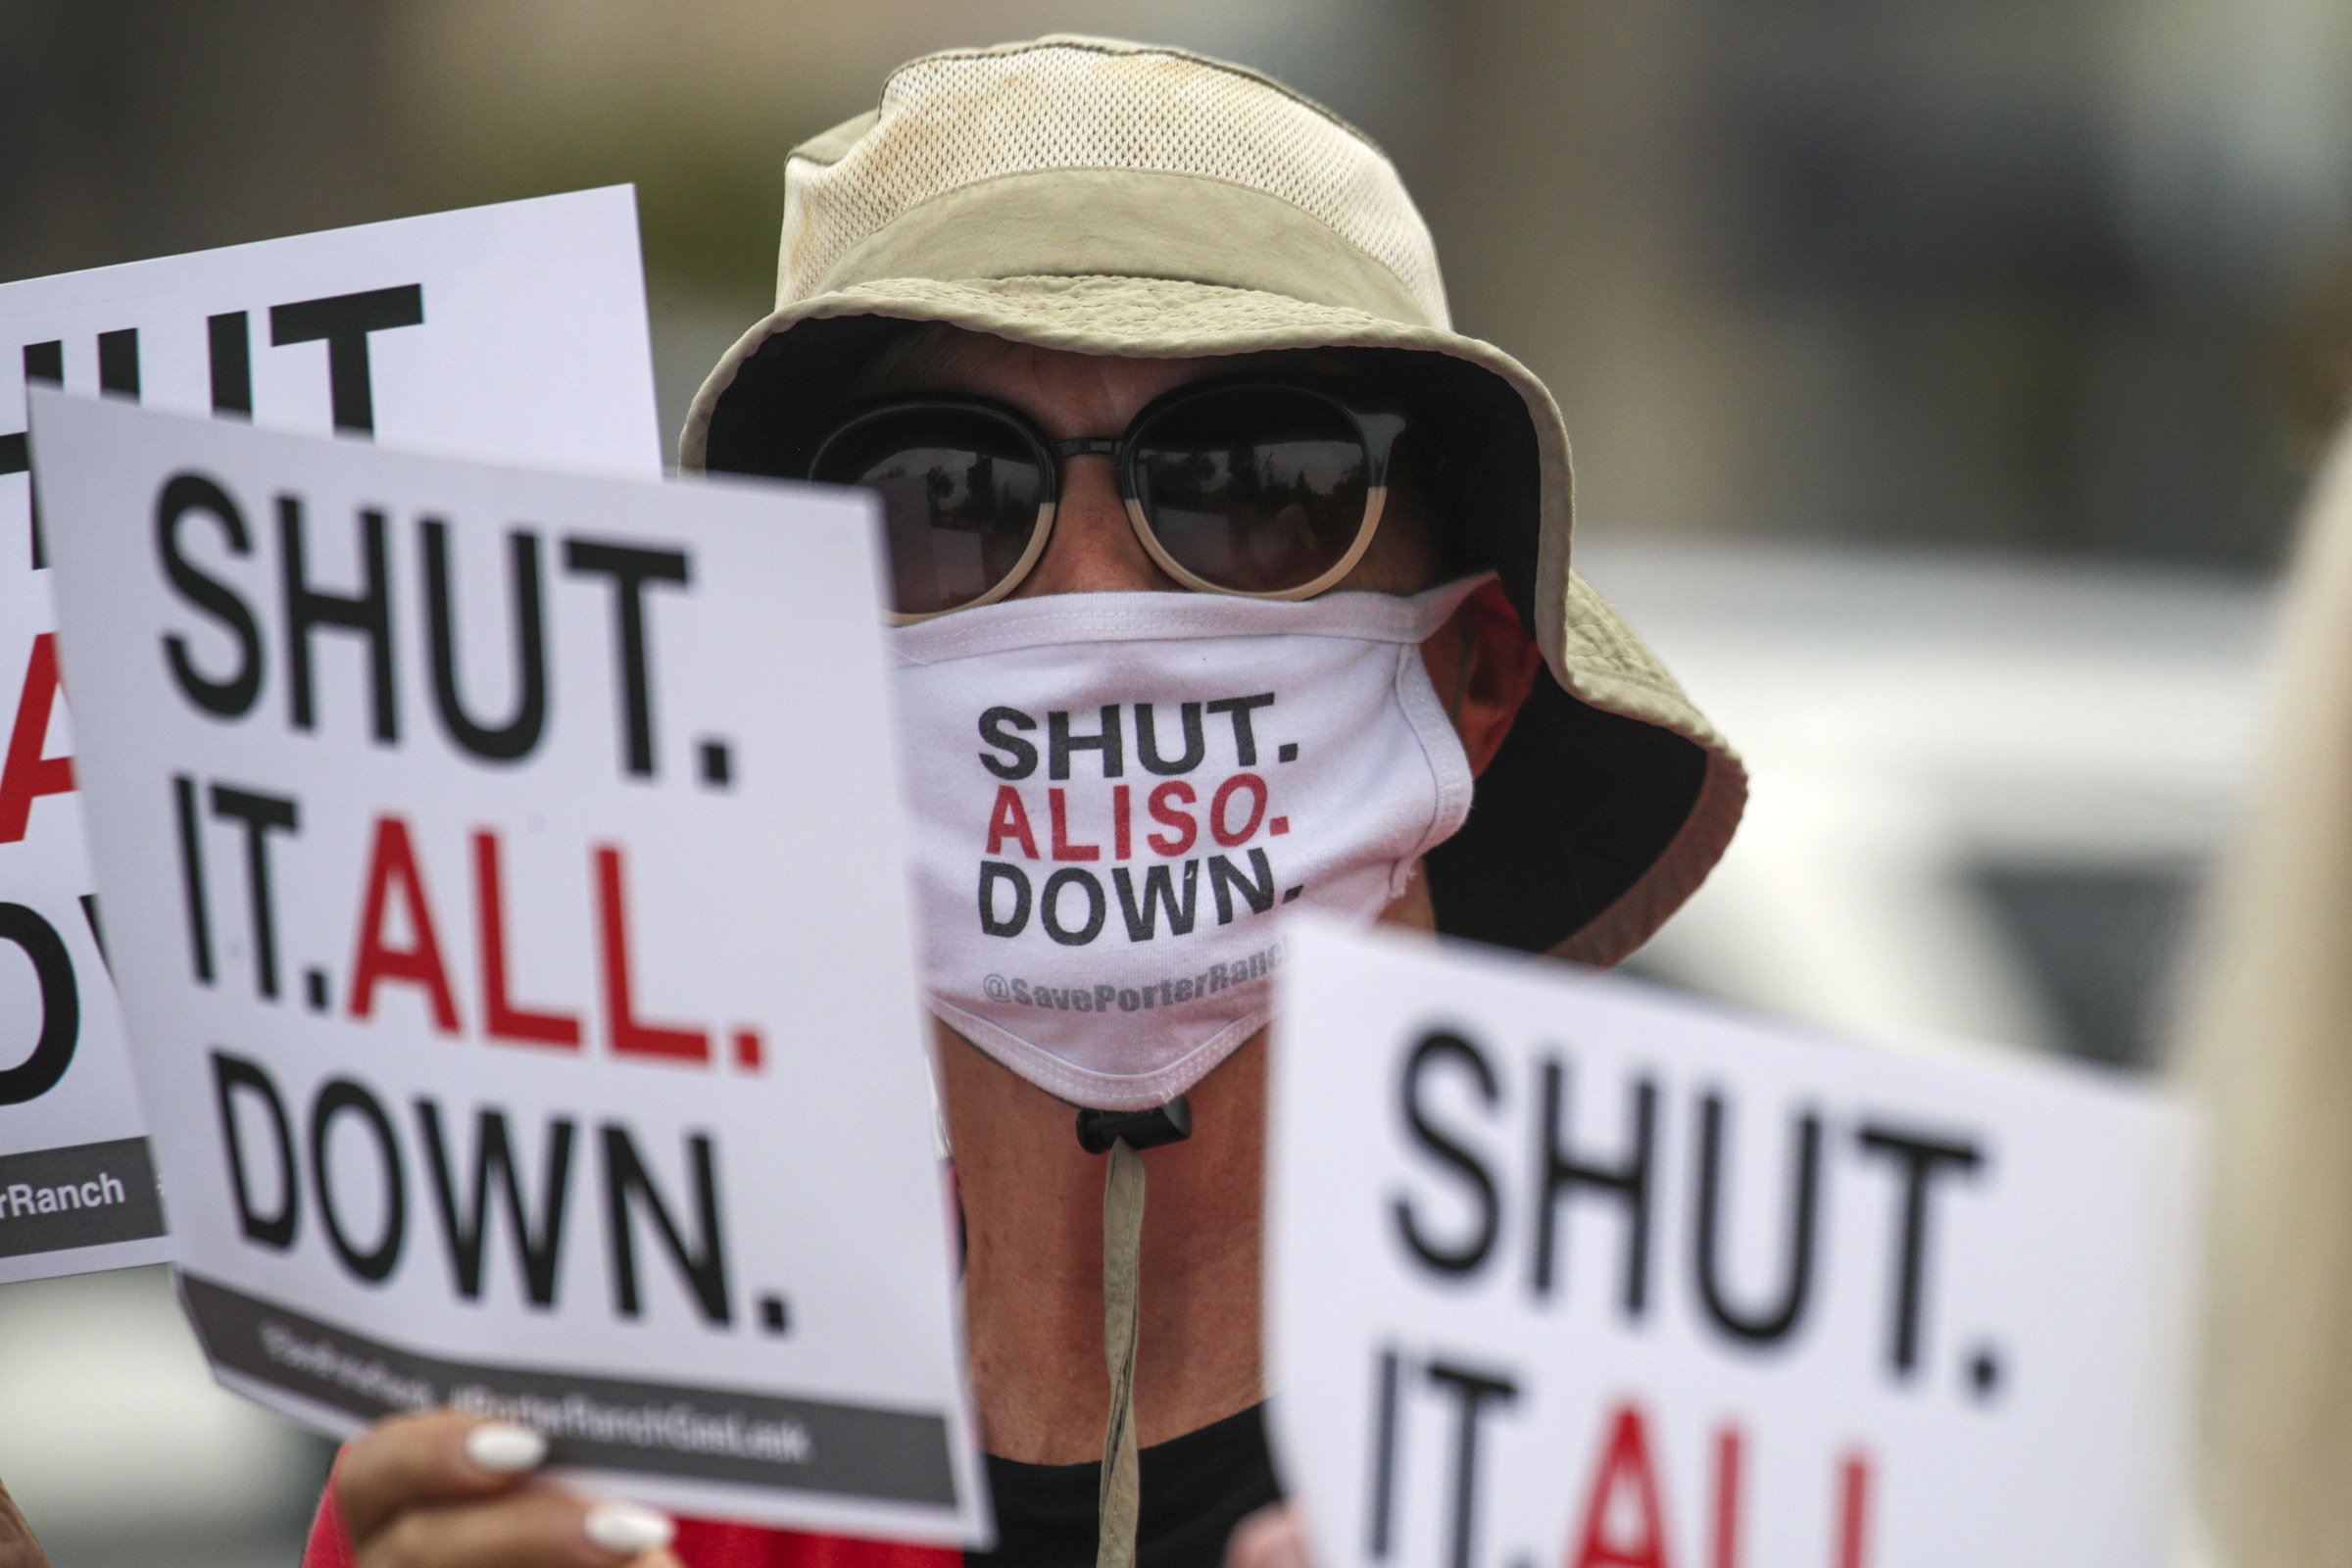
(1114, 798)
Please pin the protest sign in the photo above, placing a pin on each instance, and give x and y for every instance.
(513, 332)
(78, 1188)
(510, 907)
(1569, 1272)
(510, 331)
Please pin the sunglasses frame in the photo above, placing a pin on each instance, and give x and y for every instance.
(1376, 429)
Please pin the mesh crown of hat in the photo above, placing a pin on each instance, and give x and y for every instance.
(950, 120)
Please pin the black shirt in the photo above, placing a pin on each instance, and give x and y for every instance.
(1195, 1490)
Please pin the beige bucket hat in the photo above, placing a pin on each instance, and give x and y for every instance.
(1105, 197)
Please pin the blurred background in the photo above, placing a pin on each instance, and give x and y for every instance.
(1943, 376)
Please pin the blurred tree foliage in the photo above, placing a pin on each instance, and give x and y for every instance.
(708, 206)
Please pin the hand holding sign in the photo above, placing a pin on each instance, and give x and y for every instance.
(453, 1490)
(1613, 1281)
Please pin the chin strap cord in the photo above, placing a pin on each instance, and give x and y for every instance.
(1119, 1498)
(1122, 1134)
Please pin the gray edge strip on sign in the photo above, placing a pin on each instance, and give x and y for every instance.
(594, 1421)
(85, 1195)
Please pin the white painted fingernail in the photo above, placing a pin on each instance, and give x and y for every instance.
(505, 1447)
(625, 1530)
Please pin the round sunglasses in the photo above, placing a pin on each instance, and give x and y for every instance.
(1266, 489)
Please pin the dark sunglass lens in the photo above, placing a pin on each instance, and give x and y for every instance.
(1256, 489)
(960, 492)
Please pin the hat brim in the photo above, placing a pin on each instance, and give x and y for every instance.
(1613, 797)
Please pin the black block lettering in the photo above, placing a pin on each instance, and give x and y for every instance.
(191, 877)
(367, 612)
(1147, 741)
(1060, 743)
(993, 872)
(1382, 1509)
(1559, 1174)
(514, 740)
(16, 455)
(1159, 890)
(1774, 1322)
(1244, 739)
(1473, 1391)
(630, 569)
(993, 725)
(89, 913)
(259, 813)
(704, 1265)
(375, 1264)
(344, 320)
(118, 363)
(538, 1249)
(1048, 908)
(1257, 890)
(233, 697)
(229, 1075)
(228, 348)
(1920, 1160)
(43, 362)
(60, 1005)
(1435, 1047)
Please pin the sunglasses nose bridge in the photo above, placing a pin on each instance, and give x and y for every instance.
(1093, 544)
(1085, 446)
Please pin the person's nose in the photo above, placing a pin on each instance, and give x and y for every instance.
(1093, 550)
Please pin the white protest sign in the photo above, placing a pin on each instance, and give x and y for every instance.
(78, 1188)
(514, 333)
(511, 911)
(510, 331)
(1568, 1272)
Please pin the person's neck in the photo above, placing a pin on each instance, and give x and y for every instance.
(1033, 1271)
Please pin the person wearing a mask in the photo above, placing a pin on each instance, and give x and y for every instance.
(1220, 566)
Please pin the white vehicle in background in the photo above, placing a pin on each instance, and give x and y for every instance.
(121, 1450)
(1983, 789)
